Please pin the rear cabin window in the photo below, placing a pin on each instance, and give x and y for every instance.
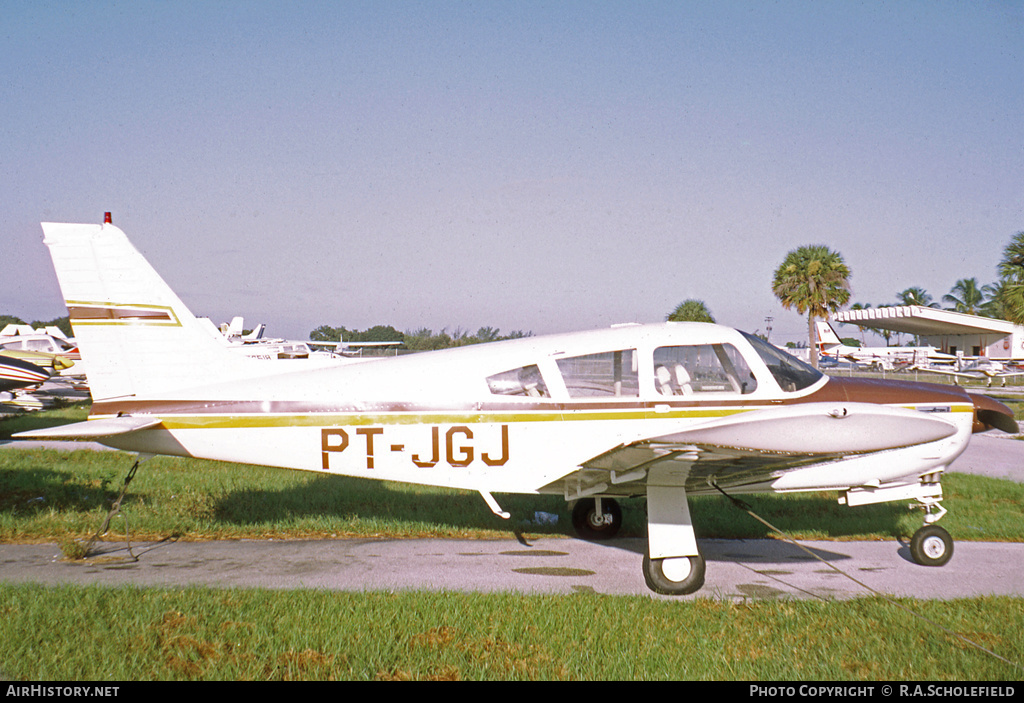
(525, 381)
(609, 374)
(702, 368)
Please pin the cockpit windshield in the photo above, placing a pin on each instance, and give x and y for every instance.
(791, 373)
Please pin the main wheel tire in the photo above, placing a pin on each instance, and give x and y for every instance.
(675, 576)
(931, 546)
(591, 526)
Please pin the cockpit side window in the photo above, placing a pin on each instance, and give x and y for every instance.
(791, 373)
(702, 368)
(608, 374)
(524, 381)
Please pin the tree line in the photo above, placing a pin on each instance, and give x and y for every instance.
(421, 339)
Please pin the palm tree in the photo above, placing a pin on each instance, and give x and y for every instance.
(995, 300)
(691, 310)
(916, 295)
(966, 296)
(815, 281)
(1011, 271)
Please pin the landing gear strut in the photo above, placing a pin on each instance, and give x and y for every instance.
(597, 519)
(673, 565)
(931, 545)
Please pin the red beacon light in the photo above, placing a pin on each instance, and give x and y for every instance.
(107, 219)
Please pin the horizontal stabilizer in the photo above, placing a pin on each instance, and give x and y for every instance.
(92, 429)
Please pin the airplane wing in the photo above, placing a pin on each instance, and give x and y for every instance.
(92, 429)
(753, 448)
(948, 372)
(354, 344)
(975, 374)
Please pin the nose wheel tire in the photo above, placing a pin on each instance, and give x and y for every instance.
(674, 576)
(931, 546)
(590, 525)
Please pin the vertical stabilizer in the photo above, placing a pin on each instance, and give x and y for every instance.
(136, 336)
(827, 337)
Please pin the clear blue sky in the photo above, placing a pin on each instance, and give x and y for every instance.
(543, 166)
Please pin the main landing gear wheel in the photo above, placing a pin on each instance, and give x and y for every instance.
(931, 546)
(593, 526)
(674, 576)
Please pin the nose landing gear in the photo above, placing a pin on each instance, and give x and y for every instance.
(931, 546)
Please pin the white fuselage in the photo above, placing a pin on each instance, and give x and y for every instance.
(433, 419)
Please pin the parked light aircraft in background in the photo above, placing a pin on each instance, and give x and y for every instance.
(976, 368)
(253, 345)
(661, 412)
(19, 373)
(18, 377)
(256, 346)
(58, 371)
(885, 358)
(47, 347)
(353, 349)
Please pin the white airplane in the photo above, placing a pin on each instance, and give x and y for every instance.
(887, 358)
(46, 347)
(661, 412)
(353, 349)
(18, 377)
(256, 346)
(976, 368)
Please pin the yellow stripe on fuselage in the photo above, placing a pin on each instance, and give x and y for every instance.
(188, 421)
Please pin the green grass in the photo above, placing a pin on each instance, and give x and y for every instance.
(124, 634)
(75, 412)
(1015, 403)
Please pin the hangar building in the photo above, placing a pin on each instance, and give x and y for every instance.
(949, 332)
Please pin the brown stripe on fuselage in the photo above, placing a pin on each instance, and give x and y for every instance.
(887, 392)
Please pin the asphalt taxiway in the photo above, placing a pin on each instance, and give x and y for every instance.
(736, 569)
